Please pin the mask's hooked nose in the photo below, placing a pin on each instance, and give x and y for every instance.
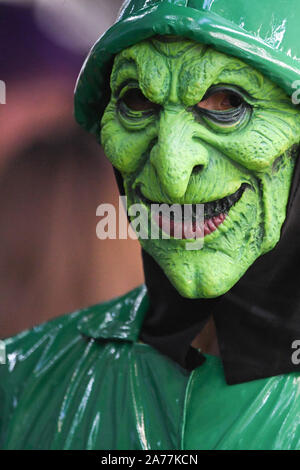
(177, 153)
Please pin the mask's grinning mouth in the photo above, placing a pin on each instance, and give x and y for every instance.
(215, 213)
(222, 206)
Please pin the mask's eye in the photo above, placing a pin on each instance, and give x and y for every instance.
(136, 101)
(221, 101)
(223, 106)
(135, 111)
(134, 104)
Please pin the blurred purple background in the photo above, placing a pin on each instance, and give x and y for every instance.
(52, 174)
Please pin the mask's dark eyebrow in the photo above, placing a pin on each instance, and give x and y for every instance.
(123, 84)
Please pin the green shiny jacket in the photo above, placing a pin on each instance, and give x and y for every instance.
(85, 381)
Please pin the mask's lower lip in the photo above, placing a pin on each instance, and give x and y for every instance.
(189, 229)
(215, 212)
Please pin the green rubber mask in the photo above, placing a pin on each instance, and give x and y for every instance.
(189, 125)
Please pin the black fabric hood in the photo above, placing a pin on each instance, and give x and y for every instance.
(256, 321)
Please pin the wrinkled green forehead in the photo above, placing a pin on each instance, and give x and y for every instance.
(263, 34)
(168, 68)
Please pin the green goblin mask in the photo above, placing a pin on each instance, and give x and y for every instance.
(189, 125)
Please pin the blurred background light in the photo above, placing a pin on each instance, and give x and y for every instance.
(74, 24)
(53, 175)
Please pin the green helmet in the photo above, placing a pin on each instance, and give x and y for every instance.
(263, 34)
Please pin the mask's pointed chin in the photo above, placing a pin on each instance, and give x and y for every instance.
(192, 280)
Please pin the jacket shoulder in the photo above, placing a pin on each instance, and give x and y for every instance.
(104, 317)
(31, 353)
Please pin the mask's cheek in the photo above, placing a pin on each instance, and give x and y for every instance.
(256, 146)
(275, 187)
(124, 149)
